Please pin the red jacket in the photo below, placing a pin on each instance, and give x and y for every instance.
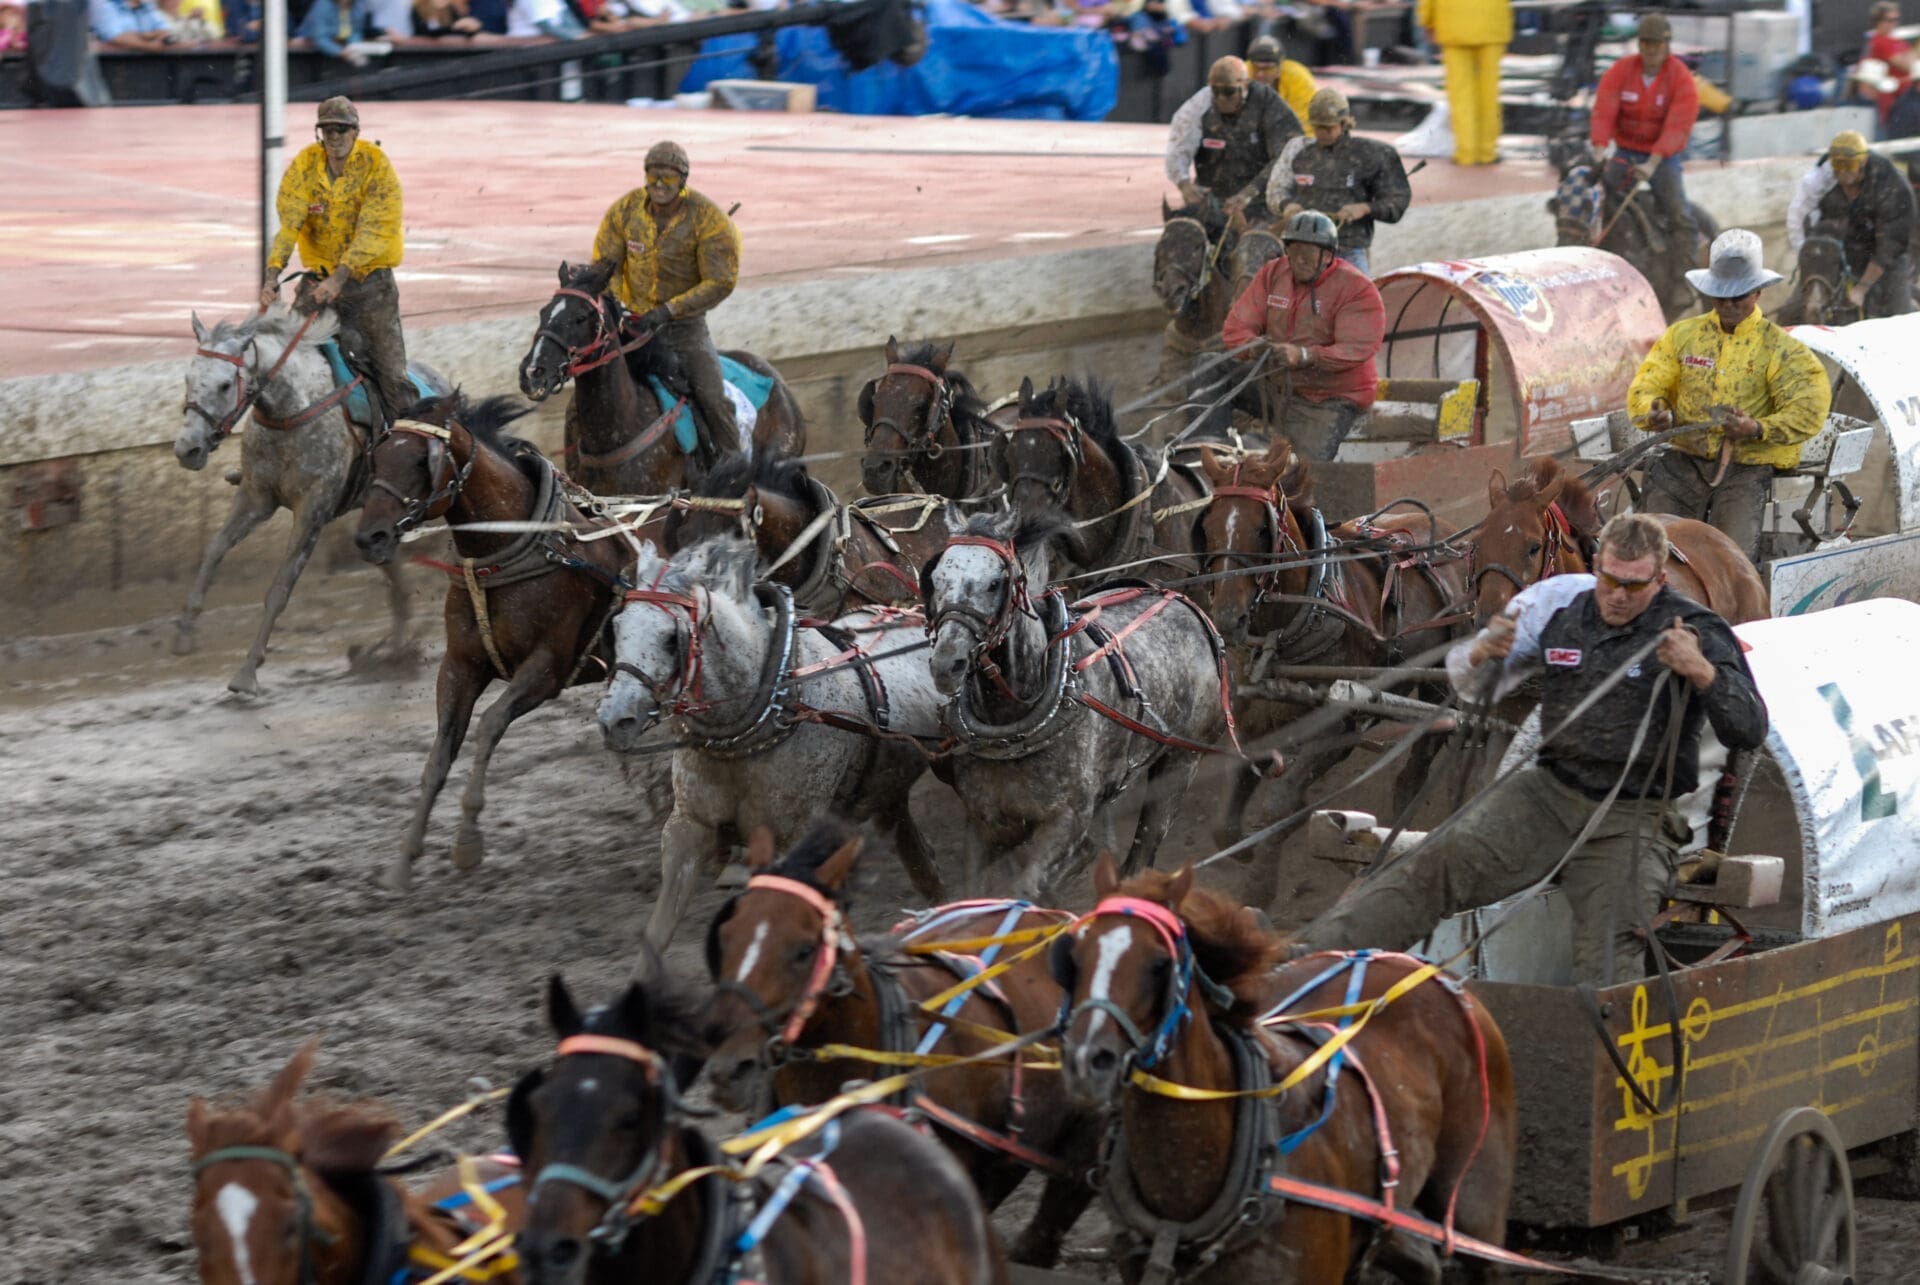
(1642, 117)
(1338, 317)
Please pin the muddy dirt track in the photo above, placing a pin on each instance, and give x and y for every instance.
(188, 893)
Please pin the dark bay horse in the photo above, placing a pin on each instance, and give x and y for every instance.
(835, 556)
(288, 1190)
(622, 1190)
(619, 438)
(1195, 286)
(1176, 985)
(528, 608)
(1124, 503)
(1362, 597)
(791, 978)
(926, 425)
(1546, 524)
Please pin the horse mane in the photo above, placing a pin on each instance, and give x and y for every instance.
(765, 471)
(714, 562)
(1020, 529)
(592, 277)
(282, 321)
(668, 1021)
(1228, 943)
(341, 1140)
(1090, 404)
(966, 399)
(485, 421)
(1576, 498)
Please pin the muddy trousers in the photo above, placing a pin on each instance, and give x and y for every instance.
(1505, 841)
(369, 309)
(1473, 101)
(1677, 484)
(693, 343)
(1315, 428)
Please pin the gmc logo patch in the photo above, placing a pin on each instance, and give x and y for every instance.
(1303, 180)
(1697, 362)
(1563, 655)
(1215, 143)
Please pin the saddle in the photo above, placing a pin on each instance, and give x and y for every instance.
(363, 404)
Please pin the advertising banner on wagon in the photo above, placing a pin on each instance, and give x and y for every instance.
(1845, 711)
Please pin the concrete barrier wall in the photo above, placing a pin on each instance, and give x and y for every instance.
(144, 520)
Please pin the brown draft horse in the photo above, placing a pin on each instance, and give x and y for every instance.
(619, 435)
(1547, 522)
(1125, 502)
(926, 425)
(1174, 980)
(288, 1191)
(866, 1198)
(1371, 601)
(791, 978)
(865, 553)
(530, 609)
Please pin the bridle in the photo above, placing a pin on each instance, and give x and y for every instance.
(441, 495)
(1555, 531)
(827, 980)
(609, 322)
(223, 425)
(1064, 429)
(1146, 1050)
(1273, 500)
(309, 1231)
(621, 1197)
(685, 695)
(939, 413)
(988, 631)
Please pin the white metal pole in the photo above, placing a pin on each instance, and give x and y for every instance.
(273, 115)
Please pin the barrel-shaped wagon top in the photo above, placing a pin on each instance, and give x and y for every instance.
(1877, 358)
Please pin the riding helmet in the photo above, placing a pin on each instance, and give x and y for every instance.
(1313, 228)
(668, 155)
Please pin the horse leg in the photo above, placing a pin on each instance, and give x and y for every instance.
(250, 508)
(1156, 818)
(1053, 852)
(533, 684)
(1233, 821)
(684, 844)
(1263, 877)
(459, 686)
(308, 522)
(396, 640)
(1062, 1201)
(917, 858)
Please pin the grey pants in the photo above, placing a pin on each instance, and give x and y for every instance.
(369, 310)
(1892, 294)
(1505, 841)
(1677, 484)
(1316, 429)
(690, 338)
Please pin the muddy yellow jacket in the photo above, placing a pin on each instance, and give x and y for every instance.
(1296, 88)
(1467, 22)
(690, 264)
(1759, 369)
(350, 222)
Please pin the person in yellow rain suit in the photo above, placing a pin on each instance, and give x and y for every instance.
(1291, 80)
(675, 255)
(339, 201)
(1765, 390)
(1472, 34)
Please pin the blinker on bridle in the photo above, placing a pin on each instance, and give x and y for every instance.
(309, 1232)
(439, 452)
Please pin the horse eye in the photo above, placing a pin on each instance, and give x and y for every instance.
(1533, 547)
(804, 954)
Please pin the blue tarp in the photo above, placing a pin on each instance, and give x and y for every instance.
(975, 65)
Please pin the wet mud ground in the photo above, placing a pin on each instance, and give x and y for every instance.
(189, 893)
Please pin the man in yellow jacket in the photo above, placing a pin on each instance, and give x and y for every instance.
(675, 256)
(1765, 390)
(339, 201)
(1472, 34)
(1291, 80)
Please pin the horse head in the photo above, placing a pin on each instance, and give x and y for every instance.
(602, 1122)
(976, 592)
(236, 365)
(421, 466)
(1253, 250)
(1183, 256)
(1246, 523)
(775, 953)
(580, 322)
(1822, 269)
(1530, 523)
(739, 497)
(1038, 457)
(904, 412)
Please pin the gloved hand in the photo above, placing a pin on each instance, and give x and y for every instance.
(1644, 170)
(1598, 153)
(1191, 194)
(1660, 417)
(654, 318)
(1857, 295)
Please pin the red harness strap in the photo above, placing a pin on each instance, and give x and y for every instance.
(979, 1134)
(301, 418)
(1355, 1205)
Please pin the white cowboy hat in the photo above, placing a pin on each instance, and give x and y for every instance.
(1735, 267)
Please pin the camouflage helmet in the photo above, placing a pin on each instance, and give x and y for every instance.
(1313, 228)
(1329, 107)
(338, 111)
(668, 155)
(1265, 51)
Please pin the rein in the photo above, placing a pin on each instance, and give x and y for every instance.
(605, 345)
(439, 454)
(309, 1231)
(223, 425)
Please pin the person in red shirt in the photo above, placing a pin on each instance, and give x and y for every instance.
(1897, 54)
(1323, 322)
(1646, 106)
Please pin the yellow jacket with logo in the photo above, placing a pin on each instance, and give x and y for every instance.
(1467, 22)
(1759, 369)
(690, 264)
(1296, 88)
(350, 222)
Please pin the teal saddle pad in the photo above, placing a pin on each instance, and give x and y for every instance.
(756, 387)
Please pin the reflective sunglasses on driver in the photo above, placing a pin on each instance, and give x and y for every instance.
(1630, 586)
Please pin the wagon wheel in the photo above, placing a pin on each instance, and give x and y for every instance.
(1794, 1222)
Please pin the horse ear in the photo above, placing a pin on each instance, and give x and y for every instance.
(564, 271)
(291, 1077)
(1026, 391)
(865, 402)
(1105, 876)
(562, 1014)
(520, 1120)
(893, 350)
(196, 1126)
(1279, 451)
(1166, 211)
(941, 356)
(956, 519)
(1211, 462)
(199, 331)
(760, 851)
(1180, 885)
(833, 872)
(1496, 489)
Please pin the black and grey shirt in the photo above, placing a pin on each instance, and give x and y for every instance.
(1875, 226)
(1230, 154)
(1350, 171)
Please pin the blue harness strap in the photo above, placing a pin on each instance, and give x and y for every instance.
(797, 1177)
(1355, 966)
(1015, 909)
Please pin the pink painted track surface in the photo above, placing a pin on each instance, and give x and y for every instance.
(116, 224)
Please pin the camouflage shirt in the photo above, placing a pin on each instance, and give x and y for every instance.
(1350, 171)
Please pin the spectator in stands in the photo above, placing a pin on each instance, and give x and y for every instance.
(1472, 35)
(348, 34)
(492, 15)
(130, 24)
(1354, 181)
(1646, 106)
(241, 19)
(551, 18)
(445, 19)
(1894, 53)
(195, 22)
(1291, 80)
(1229, 134)
(13, 26)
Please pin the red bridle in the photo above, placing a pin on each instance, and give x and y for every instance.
(687, 698)
(1271, 498)
(605, 345)
(939, 406)
(243, 402)
(991, 630)
(824, 958)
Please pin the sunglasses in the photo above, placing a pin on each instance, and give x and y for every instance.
(338, 129)
(1630, 586)
(1229, 91)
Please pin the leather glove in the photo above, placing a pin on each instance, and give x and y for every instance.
(654, 318)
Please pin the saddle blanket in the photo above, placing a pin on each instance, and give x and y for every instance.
(359, 402)
(748, 389)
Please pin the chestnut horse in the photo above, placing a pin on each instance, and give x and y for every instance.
(925, 424)
(1175, 987)
(835, 556)
(1375, 598)
(792, 978)
(624, 1189)
(618, 433)
(529, 608)
(1547, 522)
(1125, 502)
(289, 1191)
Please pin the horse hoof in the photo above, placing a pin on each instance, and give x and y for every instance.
(398, 876)
(183, 641)
(244, 684)
(469, 848)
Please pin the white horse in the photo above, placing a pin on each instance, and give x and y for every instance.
(1039, 697)
(304, 463)
(770, 715)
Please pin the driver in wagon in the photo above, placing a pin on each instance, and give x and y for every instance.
(1575, 632)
